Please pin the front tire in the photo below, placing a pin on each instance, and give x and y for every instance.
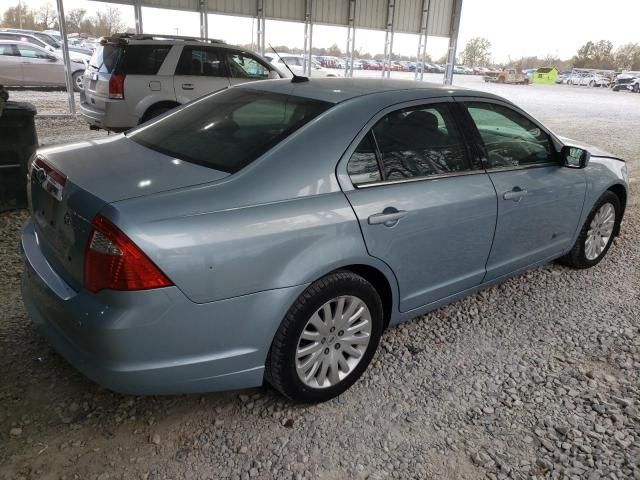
(327, 339)
(597, 233)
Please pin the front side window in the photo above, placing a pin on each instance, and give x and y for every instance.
(229, 129)
(31, 52)
(204, 62)
(242, 65)
(510, 139)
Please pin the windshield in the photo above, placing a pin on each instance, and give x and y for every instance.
(230, 129)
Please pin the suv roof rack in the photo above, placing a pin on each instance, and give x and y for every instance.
(121, 37)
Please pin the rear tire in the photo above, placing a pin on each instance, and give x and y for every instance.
(636, 88)
(583, 254)
(348, 311)
(76, 79)
(155, 112)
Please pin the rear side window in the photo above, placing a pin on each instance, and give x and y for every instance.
(200, 62)
(9, 50)
(229, 129)
(144, 59)
(106, 57)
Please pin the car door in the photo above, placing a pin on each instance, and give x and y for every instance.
(40, 67)
(10, 65)
(424, 207)
(244, 67)
(539, 199)
(200, 70)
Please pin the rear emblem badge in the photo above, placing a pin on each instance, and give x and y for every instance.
(67, 219)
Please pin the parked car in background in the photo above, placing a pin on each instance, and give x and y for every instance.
(563, 76)
(589, 79)
(509, 75)
(459, 69)
(627, 82)
(25, 64)
(369, 65)
(133, 78)
(35, 40)
(272, 231)
(296, 64)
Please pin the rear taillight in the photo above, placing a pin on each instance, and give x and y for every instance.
(116, 85)
(112, 261)
(51, 179)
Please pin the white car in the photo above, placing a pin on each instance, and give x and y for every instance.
(296, 64)
(34, 40)
(588, 79)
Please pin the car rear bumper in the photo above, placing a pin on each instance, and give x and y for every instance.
(114, 116)
(154, 341)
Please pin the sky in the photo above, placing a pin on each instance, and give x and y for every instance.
(515, 28)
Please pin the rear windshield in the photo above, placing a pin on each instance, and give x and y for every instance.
(105, 58)
(230, 129)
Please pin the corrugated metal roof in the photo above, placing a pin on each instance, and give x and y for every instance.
(370, 14)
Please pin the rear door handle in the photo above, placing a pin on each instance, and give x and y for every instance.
(187, 86)
(389, 217)
(515, 195)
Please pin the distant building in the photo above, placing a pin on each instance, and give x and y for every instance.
(545, 75)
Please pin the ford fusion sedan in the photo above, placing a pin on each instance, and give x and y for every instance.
(272, 231)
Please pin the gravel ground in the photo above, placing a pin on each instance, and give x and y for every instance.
(538, 377)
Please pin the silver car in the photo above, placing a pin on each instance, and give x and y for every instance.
(133, 78)
(25, 64)
(273, 230)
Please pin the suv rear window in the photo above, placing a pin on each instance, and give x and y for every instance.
(230, 129)
(105, 58)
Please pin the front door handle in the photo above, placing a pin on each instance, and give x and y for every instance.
(515, 195)
(187, 86)
(389, 217)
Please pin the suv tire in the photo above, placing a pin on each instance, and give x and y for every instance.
(155, 112)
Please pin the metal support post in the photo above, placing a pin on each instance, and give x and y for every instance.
(204, 19)
(351, 38)
(65, 57)
(261, 27)
(453, 41)
(308, 38)
(388, 39)
(137, 13)
(421, 57)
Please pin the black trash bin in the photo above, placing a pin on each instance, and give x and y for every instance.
(18, 141)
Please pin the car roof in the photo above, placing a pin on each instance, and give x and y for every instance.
(336, 89)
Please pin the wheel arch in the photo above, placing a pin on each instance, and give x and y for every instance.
(160, 104)
(621, 192)
(379, 281)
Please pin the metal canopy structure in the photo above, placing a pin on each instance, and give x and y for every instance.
(436, 18)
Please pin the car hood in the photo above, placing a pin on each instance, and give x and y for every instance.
(593, 150)
(117, 168)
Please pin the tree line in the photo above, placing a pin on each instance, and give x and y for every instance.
(105, 22)
(599, 55)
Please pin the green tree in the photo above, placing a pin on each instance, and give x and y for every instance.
(595, 55)
(477, 52)
(334, 51)
(74, 19)
(107, 22)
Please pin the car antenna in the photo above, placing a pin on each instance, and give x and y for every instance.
(296, 78)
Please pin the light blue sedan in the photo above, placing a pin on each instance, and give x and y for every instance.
(272, 231)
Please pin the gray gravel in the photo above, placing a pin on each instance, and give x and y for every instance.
(538, 377)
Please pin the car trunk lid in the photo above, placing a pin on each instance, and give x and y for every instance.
(70, 185)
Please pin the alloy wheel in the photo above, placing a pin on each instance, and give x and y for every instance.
(600, 231)
(333, 342)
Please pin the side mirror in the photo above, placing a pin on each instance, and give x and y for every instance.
(52, 58)
(273, 75)
(574, 157)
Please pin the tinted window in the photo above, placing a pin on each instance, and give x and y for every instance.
(418, 142)
(510, 139)
(105, 58)
(243, 65)
(229, 129)
(363, 164)
(8, 50)
(200, 62)
(32, 52)
(144, 59)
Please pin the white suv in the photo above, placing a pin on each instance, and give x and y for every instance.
(133, 78)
